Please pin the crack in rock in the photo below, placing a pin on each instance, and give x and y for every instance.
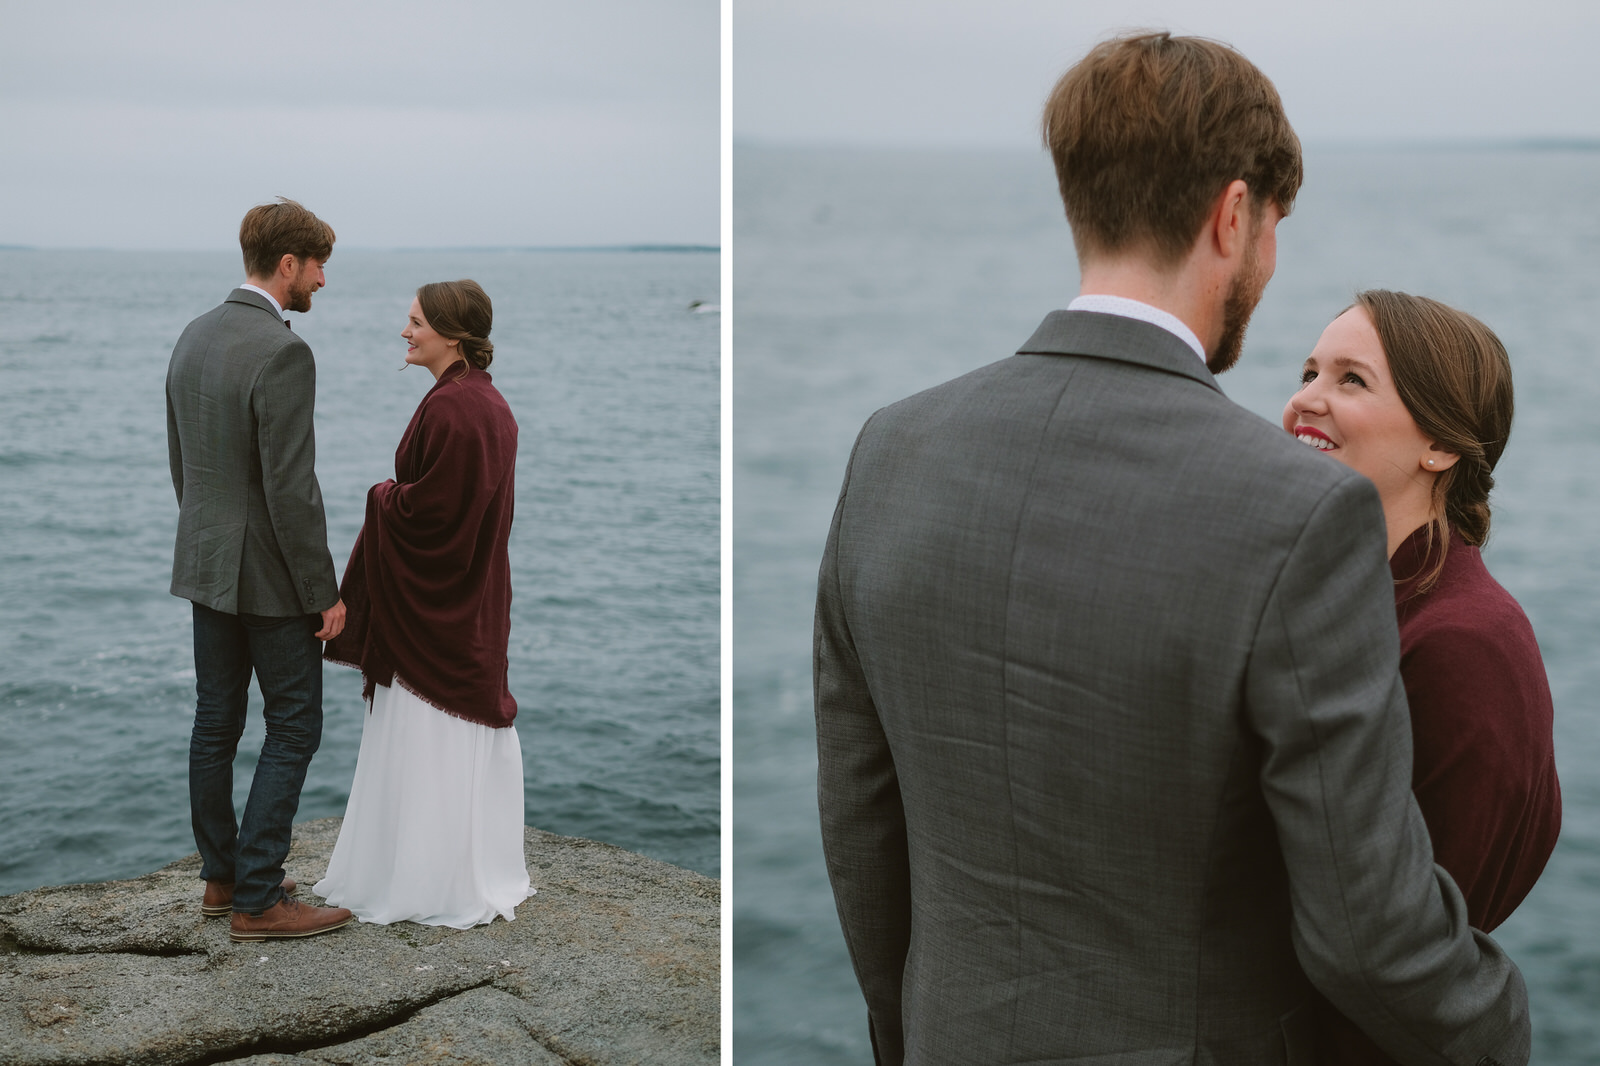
(272, 1046)
(479, 1026)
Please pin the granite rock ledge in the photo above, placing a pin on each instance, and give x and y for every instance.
(615, 961)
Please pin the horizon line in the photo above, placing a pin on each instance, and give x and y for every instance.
(1573, 143)
(651, 248)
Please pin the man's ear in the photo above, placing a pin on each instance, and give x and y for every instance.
(286, 265)
(1228, 224)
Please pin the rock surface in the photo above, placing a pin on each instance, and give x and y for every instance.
(616, 960)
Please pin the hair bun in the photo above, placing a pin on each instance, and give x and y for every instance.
(460, 311)
(479, 351)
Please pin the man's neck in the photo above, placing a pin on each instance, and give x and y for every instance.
(277, 288)
(1122, 306)
(1176, 292)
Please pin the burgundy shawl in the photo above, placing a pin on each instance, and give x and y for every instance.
(1483, 769)
(427, 590)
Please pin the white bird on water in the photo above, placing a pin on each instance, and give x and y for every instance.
(700, 307)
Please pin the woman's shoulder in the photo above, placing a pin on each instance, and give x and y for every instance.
(1468, 598)
(1469, 635)
(470, 396)
(467, 412)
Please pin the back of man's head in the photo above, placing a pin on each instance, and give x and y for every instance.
(271, 231)
(1147, 130)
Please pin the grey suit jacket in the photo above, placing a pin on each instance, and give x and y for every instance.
(252, 537)
(1114, 757)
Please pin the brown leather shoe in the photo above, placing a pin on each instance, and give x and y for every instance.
(287, 918)
(219, 897)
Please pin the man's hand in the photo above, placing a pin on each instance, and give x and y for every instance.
(332, 622)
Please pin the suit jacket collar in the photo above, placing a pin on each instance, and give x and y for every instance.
(254, 299)
(1126, 340)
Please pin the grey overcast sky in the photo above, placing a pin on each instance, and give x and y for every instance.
(156, 124)
(975, 72)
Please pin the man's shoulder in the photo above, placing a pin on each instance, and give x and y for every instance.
(954, 391)
(1069, 343)
(236, 349)
(1097, 382)
(243, 324)
(205, 323)
(1092, 402)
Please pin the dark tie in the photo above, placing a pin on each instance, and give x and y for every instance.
(286, 324)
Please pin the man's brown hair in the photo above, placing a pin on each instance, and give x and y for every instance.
(1148, 129)
(460, 311)
(271, 231)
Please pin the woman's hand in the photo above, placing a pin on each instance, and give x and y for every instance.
(332, 622)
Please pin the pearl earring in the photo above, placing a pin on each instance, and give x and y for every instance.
(1430, 462)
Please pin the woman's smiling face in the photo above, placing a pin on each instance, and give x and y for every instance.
(1347, 406)
(424, 346)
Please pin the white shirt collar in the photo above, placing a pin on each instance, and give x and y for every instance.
(276, 306)
(1121, 305)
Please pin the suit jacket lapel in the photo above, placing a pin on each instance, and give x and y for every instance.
(1127, 340)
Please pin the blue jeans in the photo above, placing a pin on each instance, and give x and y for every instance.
(286, 658)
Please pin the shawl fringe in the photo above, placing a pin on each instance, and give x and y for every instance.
(366, 693)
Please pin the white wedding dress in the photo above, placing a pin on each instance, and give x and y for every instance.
(433, 829)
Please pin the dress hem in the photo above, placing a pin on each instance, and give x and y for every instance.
(508, 914)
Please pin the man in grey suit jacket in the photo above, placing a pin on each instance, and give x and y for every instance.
(1114, 757)
(252, 556)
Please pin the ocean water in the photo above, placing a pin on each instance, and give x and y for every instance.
(614, 550)
(861, 277)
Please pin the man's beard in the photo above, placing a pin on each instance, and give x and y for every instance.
(300, 296)
(1244, 292)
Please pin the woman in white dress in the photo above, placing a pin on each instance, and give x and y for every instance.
(433, 829)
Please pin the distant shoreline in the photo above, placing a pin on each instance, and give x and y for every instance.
(694, 249)
(1579, 144)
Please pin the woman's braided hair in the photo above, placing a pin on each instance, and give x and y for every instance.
(1454, 377)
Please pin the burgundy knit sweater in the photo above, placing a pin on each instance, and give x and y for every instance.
(1483, 769)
